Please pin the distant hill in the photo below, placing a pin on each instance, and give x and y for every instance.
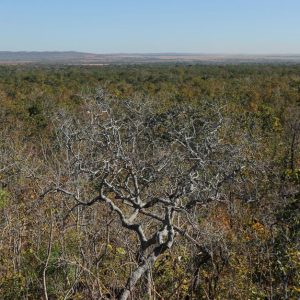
(72, 57)
(24, 56)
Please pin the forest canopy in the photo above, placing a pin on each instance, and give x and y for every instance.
(163, 181)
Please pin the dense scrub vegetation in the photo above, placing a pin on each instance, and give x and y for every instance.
(236, 236)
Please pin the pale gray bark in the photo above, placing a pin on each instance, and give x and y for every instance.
(146, 265)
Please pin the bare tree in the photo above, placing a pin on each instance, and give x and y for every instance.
(152, 169)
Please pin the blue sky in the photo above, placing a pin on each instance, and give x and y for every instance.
(131, 26)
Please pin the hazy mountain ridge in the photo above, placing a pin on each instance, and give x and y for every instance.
(73, 57)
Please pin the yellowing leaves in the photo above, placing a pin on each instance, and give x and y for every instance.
(260, 229)
(120, 251)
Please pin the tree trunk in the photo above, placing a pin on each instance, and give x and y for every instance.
(148, 281)
(136, 275)
(141, 270)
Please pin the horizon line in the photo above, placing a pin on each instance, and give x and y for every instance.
(155, 53)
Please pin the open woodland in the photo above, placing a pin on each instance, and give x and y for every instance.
(158, 181)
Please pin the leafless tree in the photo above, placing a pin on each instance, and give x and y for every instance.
(152, 169)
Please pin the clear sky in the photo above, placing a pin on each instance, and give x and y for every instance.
(131, 26)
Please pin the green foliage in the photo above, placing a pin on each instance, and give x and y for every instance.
(4, 198)
(12, 287)
(293, 175)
